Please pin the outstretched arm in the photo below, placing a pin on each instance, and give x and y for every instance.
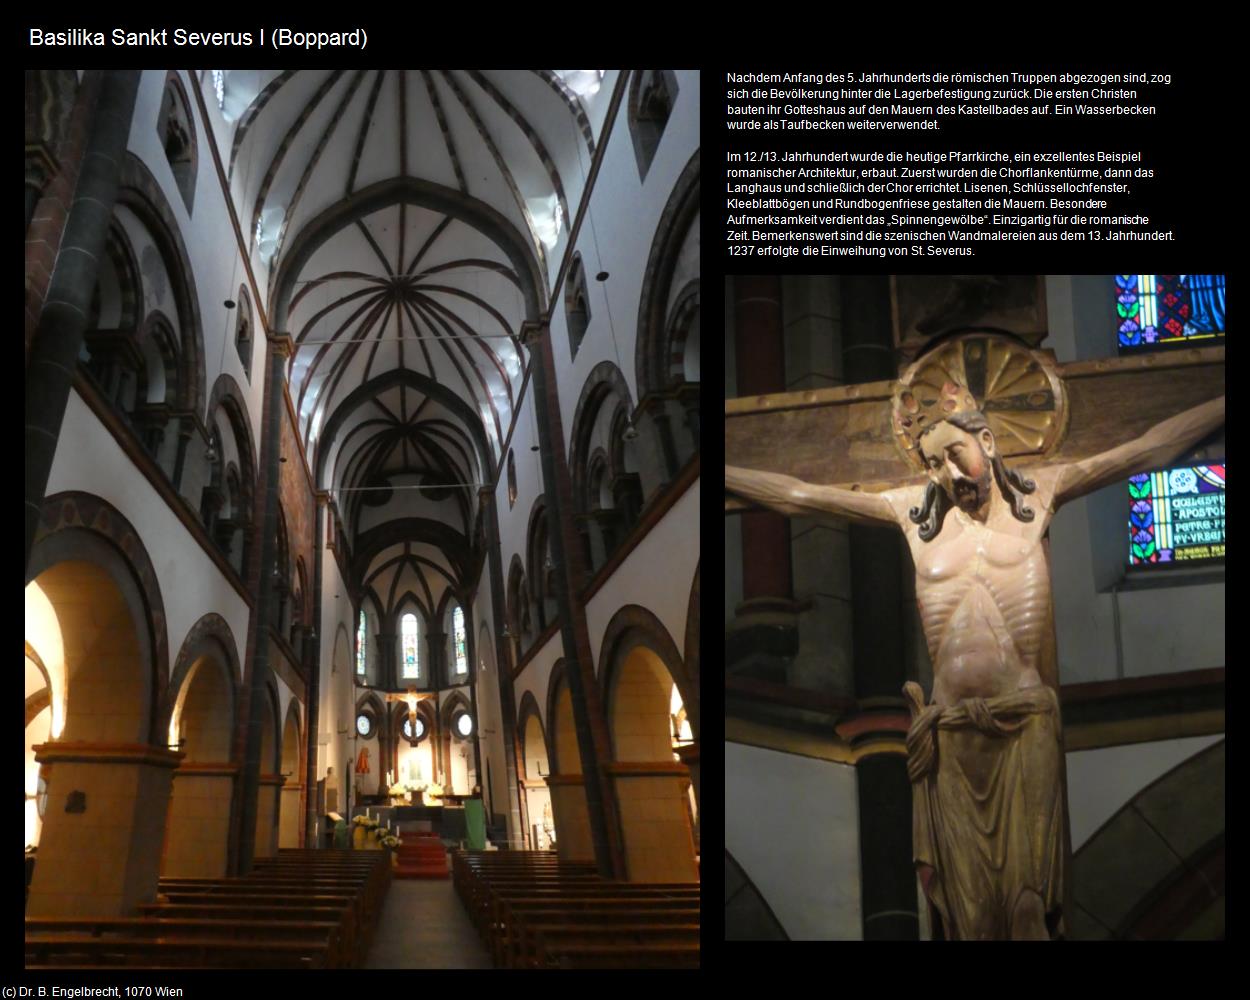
(1152, 450)
(793, 496)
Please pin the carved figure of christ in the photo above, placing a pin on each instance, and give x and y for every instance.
(975, 533)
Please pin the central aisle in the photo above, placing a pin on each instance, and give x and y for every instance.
(424, 926)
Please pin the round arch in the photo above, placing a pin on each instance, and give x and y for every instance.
(204, 692)
(534, 746)
(139, 191)
(80, 535)
(636, 642)
(566, 755)
(653, 351)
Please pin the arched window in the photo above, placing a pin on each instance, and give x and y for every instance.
(651, 99)
(409, 648)
(362, 644)
(511, 480)
(576, 304)
(1168, 310)
(177, 133)
(459, 643)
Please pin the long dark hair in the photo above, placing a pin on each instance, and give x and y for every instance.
(932, 512)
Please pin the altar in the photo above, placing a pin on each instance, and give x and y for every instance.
(445, 820)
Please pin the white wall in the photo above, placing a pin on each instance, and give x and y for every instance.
(1101, 782)
(657, 575)
(212, 248)
(1165, 630)
(89, 460)
(616, 237)
(792, 823)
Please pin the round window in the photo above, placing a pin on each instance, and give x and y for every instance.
(408, 733)
(464, 724)
(364, 725)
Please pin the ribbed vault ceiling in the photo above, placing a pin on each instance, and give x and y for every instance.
(403, 224)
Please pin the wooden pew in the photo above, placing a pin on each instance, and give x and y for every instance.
(78, 950)
(320, 933)
(533, 910)
(527, 930)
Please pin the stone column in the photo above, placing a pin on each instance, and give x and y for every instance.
(256, 816)
(268, 805)
(819, 546)
(888, 880)
(100, 849)
(290, 816)
(655, 821)
(436, 647)
(572, 819)
(690, 757)
(387, 660)
(58, 337)
(593, 742)
(197, 842)
(762, 636)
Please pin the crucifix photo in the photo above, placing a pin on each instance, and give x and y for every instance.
(969, 452)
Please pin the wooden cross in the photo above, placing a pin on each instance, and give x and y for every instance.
(844, 436)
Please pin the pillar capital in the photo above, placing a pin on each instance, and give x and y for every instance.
(281, 342)
(530, 333)
(107, 753)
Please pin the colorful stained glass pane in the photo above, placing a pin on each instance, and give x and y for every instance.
(1176, 515)
(408, 639)
(460, 641)
(362, 633)
(1168, 308)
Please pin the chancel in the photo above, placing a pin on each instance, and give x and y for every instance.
(970, 450)
(362, 518)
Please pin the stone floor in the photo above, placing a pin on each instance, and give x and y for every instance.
(424, 926)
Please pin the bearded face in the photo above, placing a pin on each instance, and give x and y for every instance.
(959, 462)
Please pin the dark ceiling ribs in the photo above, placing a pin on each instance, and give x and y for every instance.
(539, 250)
(326, 134)
(535, 140)
(574, 105)
(448, 139)
(365, 121)
(428, 312)
(280, 153)
(253, 111)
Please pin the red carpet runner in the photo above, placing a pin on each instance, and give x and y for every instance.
(421, 855)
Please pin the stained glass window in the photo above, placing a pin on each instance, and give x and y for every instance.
(1163, 309)
(219, 87)
(362, 633)
(408, 728)
(460, 641)
(408, 644)
(1176, 515)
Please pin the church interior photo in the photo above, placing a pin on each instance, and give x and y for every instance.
(1111, 386)
(362, 531)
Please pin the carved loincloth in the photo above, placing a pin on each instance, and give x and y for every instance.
(987, 806)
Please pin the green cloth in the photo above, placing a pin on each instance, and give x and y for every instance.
(475, 824)
(342, 836)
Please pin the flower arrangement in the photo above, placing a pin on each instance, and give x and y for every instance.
(390, 841)
(368, 822)
(405, 789)
(432, 794)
